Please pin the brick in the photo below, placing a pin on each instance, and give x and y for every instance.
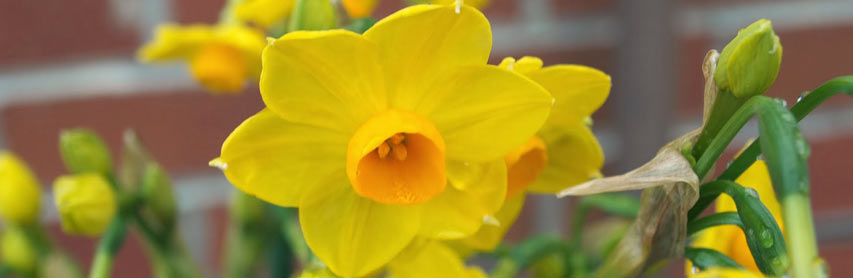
(197, 11)
(570, 7)
(183, 130)
(34, 32)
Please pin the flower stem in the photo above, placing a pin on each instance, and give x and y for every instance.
(724, 106)
(800, 235)
(109, 245)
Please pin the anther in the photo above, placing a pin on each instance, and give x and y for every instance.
(383, 150)
(400, 152)
(397, 139)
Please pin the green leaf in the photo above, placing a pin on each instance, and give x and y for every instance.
(704, 258)
(722, 218)
(360, 25)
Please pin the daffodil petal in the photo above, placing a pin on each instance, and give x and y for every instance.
(456, 212)
(489, 236)
(484, 112)
(578, 90)
(323, 78)
(725, 273)
(266, 156)
(351, 234)
(574, 157)
(420, 43)
(430, 259)
(172, 41)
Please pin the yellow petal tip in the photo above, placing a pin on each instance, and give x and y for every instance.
(218, 163)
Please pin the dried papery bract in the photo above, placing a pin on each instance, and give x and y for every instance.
(670, 186)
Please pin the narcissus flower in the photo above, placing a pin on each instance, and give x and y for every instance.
(20, 193)
(429, 258)
(381, 137)
(86, 203)
(221, 58)
(263, 12)
(730, 240)
(564, 152)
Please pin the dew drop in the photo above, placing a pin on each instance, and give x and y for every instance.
(751, 192)
(782, 101)
(765, 238)
(802, 96)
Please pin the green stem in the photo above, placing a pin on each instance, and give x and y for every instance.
(800, 236)
(724, 106)
(727, 133)
(800, 110)
(109, 245)
(528, 252)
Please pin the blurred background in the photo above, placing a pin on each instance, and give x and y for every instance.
(66, 64)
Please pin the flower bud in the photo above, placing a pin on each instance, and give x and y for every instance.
(313, 15)
(20, 193)
(86, 203)
(157, 191)
(17, 251)
(83, 151)
(750, 63)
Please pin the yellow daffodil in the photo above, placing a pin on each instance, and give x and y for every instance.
(359, 8)
(20, 193)
(479, 4)
(429, 258)
(726, 273)
(263, 12)
(563, 153)
(382, 137)
(86, 203)
(221, 58)
(730, 240)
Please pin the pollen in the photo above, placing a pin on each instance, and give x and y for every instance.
(395, 146)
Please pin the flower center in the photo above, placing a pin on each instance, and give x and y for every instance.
(397, 157)
(524, 165)
(219, 67)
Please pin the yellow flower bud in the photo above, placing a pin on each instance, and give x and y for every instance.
(83, 151)
(17, 251)
(86, 203)
(20, 192)
(750, 63)
(313, 15)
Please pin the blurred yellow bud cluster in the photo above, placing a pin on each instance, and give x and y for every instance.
(86, 203)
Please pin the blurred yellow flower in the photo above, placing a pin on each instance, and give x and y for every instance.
(726, 273)
(479, 4)
(264, 12)
(381, 137)
(730, 240)
(564, 152)
(221, 58)
(429, 258)
(20, 193)
(359, 8)
(17, 251)
(86, 203)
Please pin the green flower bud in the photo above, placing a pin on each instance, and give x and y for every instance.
(313, 15)
(83, 151)
(20, 193)
(17, 251)
(86, 203)
(750, 63)
(157, 191)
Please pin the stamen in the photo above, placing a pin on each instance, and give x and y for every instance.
(397, 139)
(400, 152)
(383, 150)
